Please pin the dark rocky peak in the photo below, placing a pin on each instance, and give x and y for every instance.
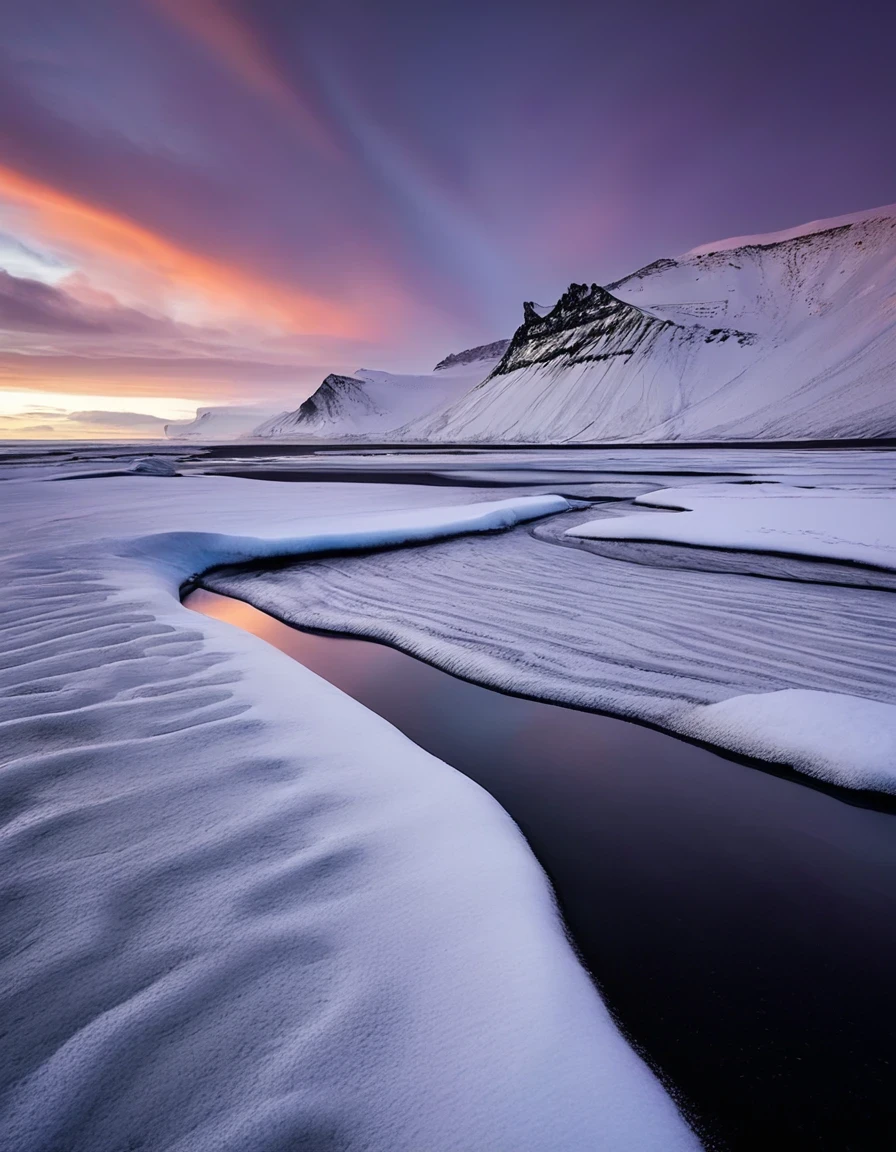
(579, 304)
(587, 322)
(330, 394)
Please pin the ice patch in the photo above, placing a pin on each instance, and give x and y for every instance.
(637, 640)
(153, 466)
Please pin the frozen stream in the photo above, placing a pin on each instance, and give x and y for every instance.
(741, 925)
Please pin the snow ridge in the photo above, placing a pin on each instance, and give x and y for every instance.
(887, 212)
(625, 628)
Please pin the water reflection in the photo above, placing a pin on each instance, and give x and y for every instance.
(741, 926)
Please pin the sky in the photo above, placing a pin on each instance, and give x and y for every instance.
(217, 202)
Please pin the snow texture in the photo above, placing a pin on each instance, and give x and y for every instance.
(842, 739)
(785, 337)
(851, 526)
(240, 910)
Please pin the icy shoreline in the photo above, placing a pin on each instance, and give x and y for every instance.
(790, 673)
(249, 912)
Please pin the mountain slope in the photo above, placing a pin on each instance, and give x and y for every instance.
(786, 336)
(493, 351)
(373, 403)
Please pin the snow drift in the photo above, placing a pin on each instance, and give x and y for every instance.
(782, 337)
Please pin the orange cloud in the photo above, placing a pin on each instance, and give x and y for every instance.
(236, 44)
(98, 229)
(204, 381)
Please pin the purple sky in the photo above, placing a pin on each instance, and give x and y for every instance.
(218, 201)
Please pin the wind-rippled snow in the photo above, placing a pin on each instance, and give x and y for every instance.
(640, 640)
(240, 910)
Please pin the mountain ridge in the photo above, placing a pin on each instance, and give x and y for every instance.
(791, 336)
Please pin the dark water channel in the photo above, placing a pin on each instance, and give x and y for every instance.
(741, 926)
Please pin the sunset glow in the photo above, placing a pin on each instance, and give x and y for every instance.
(215, 202)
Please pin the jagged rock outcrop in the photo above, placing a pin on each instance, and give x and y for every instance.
(583, 319)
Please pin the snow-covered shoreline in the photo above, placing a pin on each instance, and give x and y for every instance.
(717, 657)
(837, 737)
(248, 912)
(245, 911)
(847, 525)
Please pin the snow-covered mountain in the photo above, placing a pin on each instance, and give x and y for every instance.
(784, 336)
(372, 403)
(493, 351)
(790, 335)
(218, 423)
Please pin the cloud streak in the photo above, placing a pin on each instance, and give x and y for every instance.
(28, 305)
(59, 215)
(234, 42)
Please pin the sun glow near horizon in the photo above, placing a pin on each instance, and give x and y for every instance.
(35, 415)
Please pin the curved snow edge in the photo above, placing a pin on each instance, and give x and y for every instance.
(254, 914)
(186, 555)
(845, 740)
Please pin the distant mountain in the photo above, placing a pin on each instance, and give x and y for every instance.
(218, 424)
(374, 404)
(493, 351)
(784, 336)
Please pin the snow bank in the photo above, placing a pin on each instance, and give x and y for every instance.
(241, 911)
(842, 739)
(827, 524)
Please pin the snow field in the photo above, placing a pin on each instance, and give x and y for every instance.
(241, 910)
